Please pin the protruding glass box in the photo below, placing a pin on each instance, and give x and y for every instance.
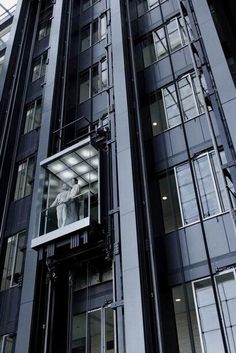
(71, 194)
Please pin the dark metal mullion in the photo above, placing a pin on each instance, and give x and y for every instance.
(206, 244)
(182, 113)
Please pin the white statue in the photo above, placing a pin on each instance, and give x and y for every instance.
(66, 205)
(60, 203)
(73, 204)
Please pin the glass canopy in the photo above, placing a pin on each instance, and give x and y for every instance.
(7, 8)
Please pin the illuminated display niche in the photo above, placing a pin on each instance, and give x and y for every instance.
(71, 194)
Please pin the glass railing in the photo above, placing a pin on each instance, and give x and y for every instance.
(63, 214)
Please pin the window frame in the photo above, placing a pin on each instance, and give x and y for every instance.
(200, 330)
(3, 340)
(91, 3)
(30, 125)
(90, 26)
(218, 192)
(46, 26)
(42, 62)
(17, 194)
(89, 71)
(15, 248)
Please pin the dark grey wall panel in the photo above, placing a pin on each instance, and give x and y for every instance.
(18, 216)
(9, 302)
(28, 145)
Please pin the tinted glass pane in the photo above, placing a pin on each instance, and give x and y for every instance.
(84, 86)
(148, 51)
(95, 78)
(104, 74)
(160, 43)
(85, 38)
(170, 203)
(79, 333)
(174, 35)
(29, 118)
(206, 187)
(103, 26)
(20, 182)
(187, 98)
(8, 345)
(8, 263)
(157, 113)
(95, 34)
(29, 177)
(94, 331)
(109, 331)
(187, 194)
(19, 260)
(171, 106)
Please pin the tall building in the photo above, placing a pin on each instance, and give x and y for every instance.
(117, 176)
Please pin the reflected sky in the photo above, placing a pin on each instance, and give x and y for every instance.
(7, 7)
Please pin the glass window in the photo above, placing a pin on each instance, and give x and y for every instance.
(14, 260)
(24, 178)
(32, 116)
(186, 319)
(39, 67)
(44, 29)
(84, 86)
(93, 32)
(93, 80)
(145, 5)
(6, 343)
(207, 313)
(191, 100)
(160, 43)
(93, 332)
(155, 46)
(85, 38)
(178, 196)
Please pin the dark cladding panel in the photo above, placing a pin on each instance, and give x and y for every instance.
(9, 301)
(28, 145)
(18, 216)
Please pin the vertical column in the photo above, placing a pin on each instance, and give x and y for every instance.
(133, 313)
(27, 298)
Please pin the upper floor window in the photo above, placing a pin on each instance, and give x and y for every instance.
(39, 67)
(145, 5)
(4, 36)
(24, 178)
(155, 45)
(6, 343)
(85, 4)
(93, 80)
(93, 32)
(32, 116)
(14, 260)
(163, 107)
(178, 196)
(44, 29)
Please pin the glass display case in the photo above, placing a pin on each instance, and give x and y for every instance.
(71, 193)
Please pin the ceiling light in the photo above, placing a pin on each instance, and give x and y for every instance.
(90, 177)
(67, 175)
(82, 168)
(155, 123)
(178, 300)
(87, 152)
(164, 198)
(56, 167)
(71, 159)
